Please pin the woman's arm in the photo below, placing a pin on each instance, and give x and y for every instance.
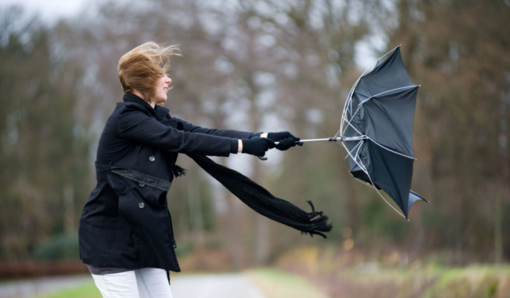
(285, 139)
(217, 132)
(134, 124)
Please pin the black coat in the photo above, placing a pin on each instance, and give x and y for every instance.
(126, 222)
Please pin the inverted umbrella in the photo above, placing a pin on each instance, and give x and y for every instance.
(376, 130)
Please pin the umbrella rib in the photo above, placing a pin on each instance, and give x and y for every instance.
(350, 124)
(366, 100)
(355, 148)
(379, 192)
(352, 117)
(355, 157)
(389, 52)
(348, 102)
(395, 89)
(393, 179)
(382, 197)
(344, 111)
(362, 167)
(379, 94)
(358, 150)
(390, 150)
(349, 97)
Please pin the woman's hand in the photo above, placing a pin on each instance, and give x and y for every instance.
(277, 136)
(256, 146)
(284, 138)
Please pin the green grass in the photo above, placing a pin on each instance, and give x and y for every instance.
(276, 284)
(86, 291)
(474, 281)
(432, 281)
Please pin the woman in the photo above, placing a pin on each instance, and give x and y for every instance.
(126, 236)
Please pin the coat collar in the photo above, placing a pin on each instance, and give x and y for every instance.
(130, 97)
(157, 112)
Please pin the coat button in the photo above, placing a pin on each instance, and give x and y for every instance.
(152, 158)
(141, 205)
(141, 184)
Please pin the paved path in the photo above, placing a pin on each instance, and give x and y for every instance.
(36, 286)
(234, 285)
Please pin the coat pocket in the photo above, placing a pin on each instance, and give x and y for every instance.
(137, 193)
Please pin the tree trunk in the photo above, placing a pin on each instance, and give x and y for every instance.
(196, 216)
(233, 232)
(262, 232)
(69, 218)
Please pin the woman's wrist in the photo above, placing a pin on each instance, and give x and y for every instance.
(239, 146)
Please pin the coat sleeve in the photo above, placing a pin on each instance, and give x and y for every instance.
(138, 126)
(212, 131)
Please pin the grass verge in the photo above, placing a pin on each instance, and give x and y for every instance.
(86, 291)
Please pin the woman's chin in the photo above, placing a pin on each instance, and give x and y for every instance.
(161, 100)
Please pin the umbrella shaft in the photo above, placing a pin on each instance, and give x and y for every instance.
(336, 139)
(319, 140)
(333, 139)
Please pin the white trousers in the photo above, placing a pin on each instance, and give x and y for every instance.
(141, 283)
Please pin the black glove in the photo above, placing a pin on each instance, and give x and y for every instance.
(285, 140)
(286, 143)
(277, 136)
(257, 146)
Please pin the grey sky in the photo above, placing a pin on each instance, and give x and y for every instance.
(49, 10)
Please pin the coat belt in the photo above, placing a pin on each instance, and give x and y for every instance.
(139, 177)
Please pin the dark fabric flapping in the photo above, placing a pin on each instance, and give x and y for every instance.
(263, 202)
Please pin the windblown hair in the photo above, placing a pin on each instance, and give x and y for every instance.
(139, 68)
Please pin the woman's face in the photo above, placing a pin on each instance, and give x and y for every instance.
(161, 89)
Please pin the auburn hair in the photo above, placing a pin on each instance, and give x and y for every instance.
(139, 68)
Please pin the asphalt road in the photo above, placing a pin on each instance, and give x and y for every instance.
(232, 285)
(37, 286)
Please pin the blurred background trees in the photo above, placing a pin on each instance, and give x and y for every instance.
(264, 65)
(45, 161)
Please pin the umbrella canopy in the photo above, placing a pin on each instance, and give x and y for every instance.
(377, 126)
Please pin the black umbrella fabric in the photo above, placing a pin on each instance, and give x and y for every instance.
(377, 126)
